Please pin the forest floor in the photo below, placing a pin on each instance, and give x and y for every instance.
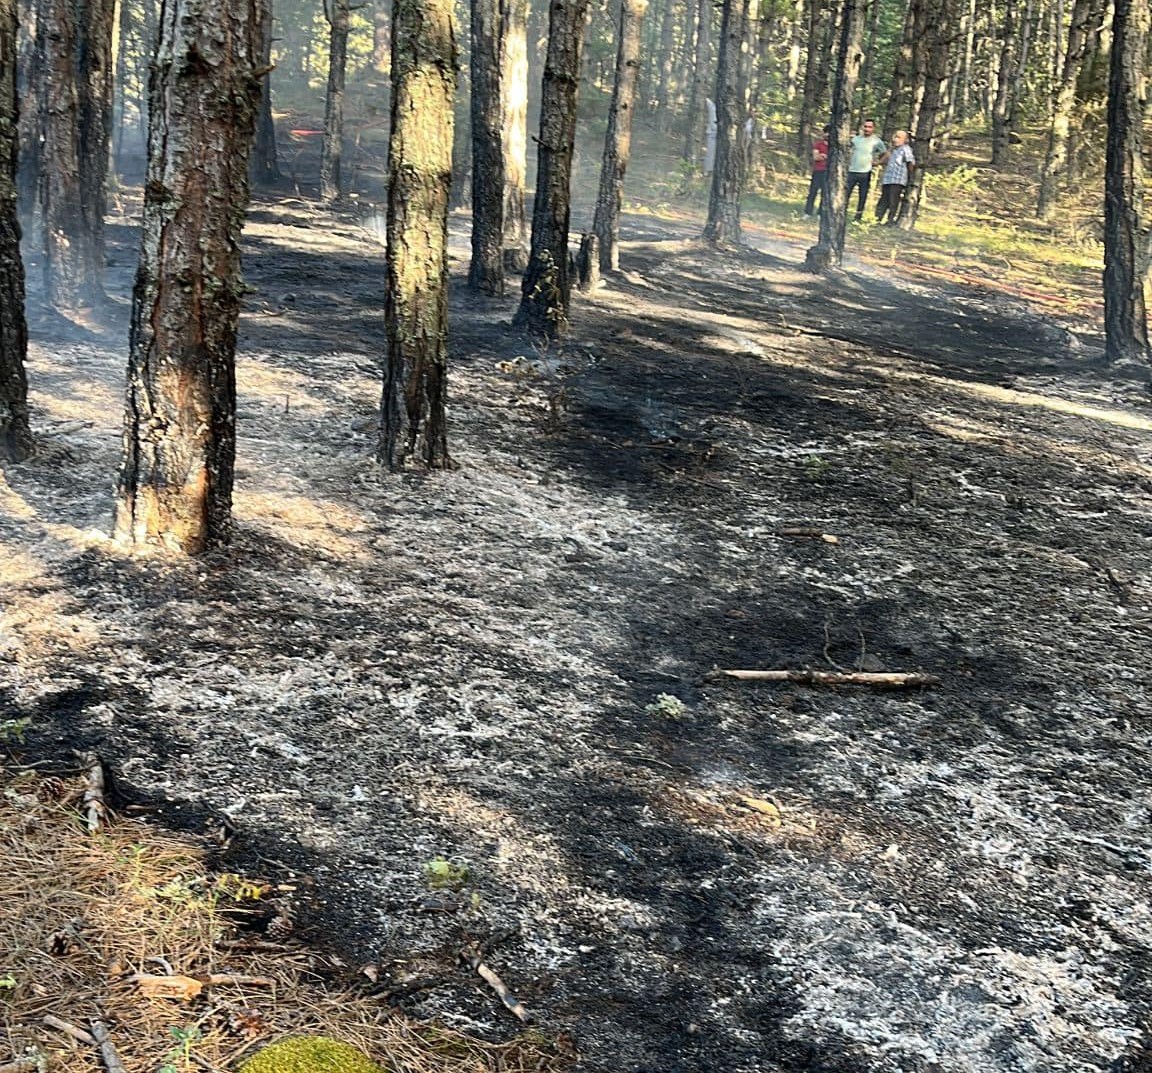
(441, 706)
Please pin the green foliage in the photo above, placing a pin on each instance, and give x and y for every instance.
(13, 729)
(668, 706)
(179, 1058)
(959, 180)
(442, 874)
(310, 1054)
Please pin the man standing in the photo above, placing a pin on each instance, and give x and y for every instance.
(819, 178)
(867, 151)
(897, 168)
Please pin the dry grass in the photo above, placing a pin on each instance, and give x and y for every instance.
(81, 916)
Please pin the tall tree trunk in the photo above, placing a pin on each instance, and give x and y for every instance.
(413, 426)
(697, 101)
(15, 432)
(1007, 84)
(618, 140)
(180, 420)
(723, 227)
(29, 88)
(332, 149)
(829, 249)
(968, 31)
(547, 285)
(795, 50)
(815, 74)
(265, 165)
(867, 103)
(1086, 14)
(909, 61)
(515, 108)
(72, 262)
(96, 22)
(381, 36)
(666, 69)
(940, 34)
(489, 25)
(1126, 239)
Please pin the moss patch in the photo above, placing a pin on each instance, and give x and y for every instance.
(310, 1054)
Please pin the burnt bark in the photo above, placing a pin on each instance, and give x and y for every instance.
(618, 140)
(1126, 232)
(515, 108)
(96, 21)
(413, 425)
(332, 148)
(828, 253)
(547, 284)
(29, 72)
(265, 168)
(486, 272)
(73, 268)
(180, 419)
(1087, 16)
(15, 432)
(723, 226)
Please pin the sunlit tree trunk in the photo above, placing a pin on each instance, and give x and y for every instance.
(829, 249)
(15, 433)
(618, 140)
(1126, 238)
(265, 164)
(795, 50)
(180, 419)
(489, 25)
(413, 426)
(332, 149)
(1086, 14)
(515, 108)
(547, 284)
(381, 36)
(723, 227)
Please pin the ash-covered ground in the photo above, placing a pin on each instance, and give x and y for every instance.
(476, 666)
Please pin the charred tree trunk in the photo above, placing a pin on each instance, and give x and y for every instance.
(180, 420)
(94, 80)
(29, 75)
(547, 285)
(723, 227)
(515, 108)
(1126, 237)
(413, 425)
(332, 149)
(489, 25)
(829, 250)
(72, 262)
(15, 432)
(1087, 15)
(265, 164)
(618, 140)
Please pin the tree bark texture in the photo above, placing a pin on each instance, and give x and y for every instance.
(939, 37)
(1126, 235)
(332, 148)
(489, 26)
(15, 432)
(515, 108)
(723, 226)
(667, 74)
(413, 426)
(829, 249)
(72, 268)
(180, 419)
(381, 36)
(1087, 15)
(1007, 84)
(95, 69)
(29, 72)
(815, 73)
(697, 107)
(265, 162)
(547, 284)
(618, 140)
(909, 57)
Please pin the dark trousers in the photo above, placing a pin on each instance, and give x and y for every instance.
(816, 189)
(862, 182)
(891, 197)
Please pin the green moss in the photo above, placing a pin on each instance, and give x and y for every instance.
(310, 1054)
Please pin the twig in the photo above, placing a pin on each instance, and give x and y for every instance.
(833, 678)
(93, 804)
(471, 957)
(230, 979)
(108, 1053)
(76, 1033)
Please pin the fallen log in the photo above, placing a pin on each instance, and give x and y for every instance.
(883, 680)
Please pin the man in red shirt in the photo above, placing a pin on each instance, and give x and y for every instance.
(819, 182)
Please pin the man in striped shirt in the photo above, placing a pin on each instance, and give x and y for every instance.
(897, 168)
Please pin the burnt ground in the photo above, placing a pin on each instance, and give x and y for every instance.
(387, 671)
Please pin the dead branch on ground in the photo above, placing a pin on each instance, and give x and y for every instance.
(883, 680)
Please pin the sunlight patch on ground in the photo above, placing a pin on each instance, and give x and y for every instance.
(305, 521)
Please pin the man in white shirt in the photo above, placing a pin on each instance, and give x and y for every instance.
(867, 150)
